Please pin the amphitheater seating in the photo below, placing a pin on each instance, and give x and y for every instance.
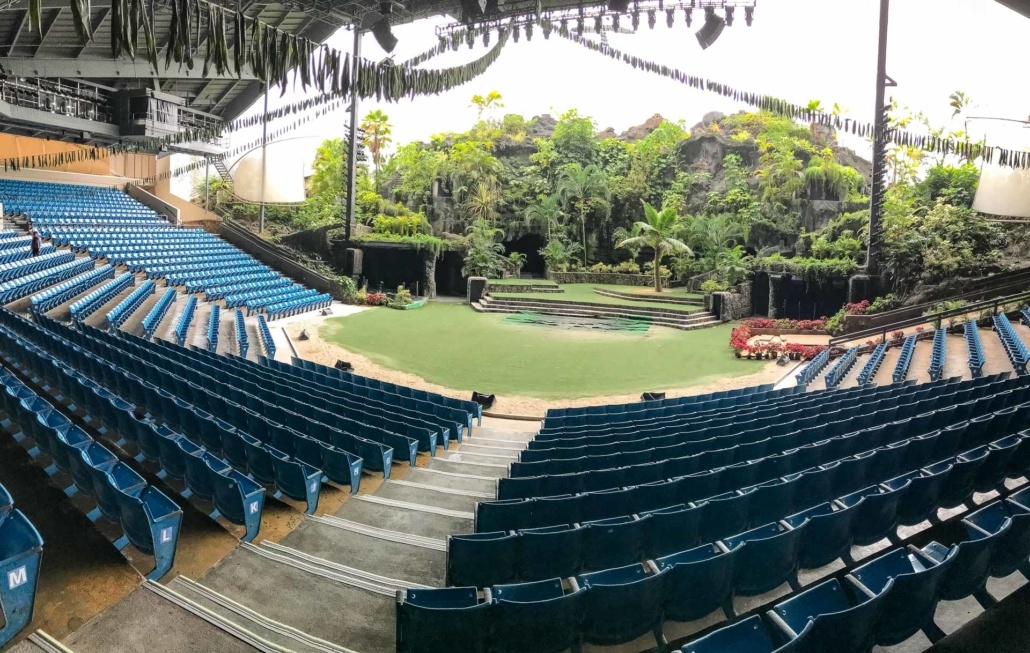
(125, 308)
(938, 354)
(21, 549)
(242, 344)
(814, 366)
(32, 283)
(287, 306)
(555, 416)
(17, 269)
(54, 296)
(266, 337)
(1013, 344)
(977, 358)
(213, 325)
(872, 365)
(841, 368)
(182, 327)
(904, 359)
(10, 255)
(91, 303)
(158, 312)
(48, 202)
(149, 519)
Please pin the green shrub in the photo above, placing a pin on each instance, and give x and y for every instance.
(888, 302)
(627, 267)
(835, 325)
(713, 285)
(601, 268)
(402, 297)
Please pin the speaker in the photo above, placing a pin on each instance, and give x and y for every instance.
(476, 289)
(484, 400)
(384, 37)
(344, 365)
(711, 30)
(352, 261)
(652, 396)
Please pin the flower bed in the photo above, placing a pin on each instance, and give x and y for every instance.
(766, 326)
(770, 324)
(606, 278)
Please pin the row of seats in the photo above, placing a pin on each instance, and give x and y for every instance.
(21, 242)
(554, 414)
(239, 294)
(872, 366)
(938, 354)
(214, 324)
(91, 303)
(11, 233)
(977, 358)
(58, 202)
(511, 514)
(382, 390)
(17, 269)
(149, 519)
(1017, 352)
(904, 359)
(289, 293)
(54, 296)
(23, 252)
(741, 427)
(810, 371)
(236, 497)
(29, 284)
(242, 343)
(885, 601)
(183, 414)
(931, 475)
(299, 304)
(219, 289)
(182, 327)
(841, 368)
(21, 549)
(632, 422)
(889, 599)
(125, 308)
(266, 336)
(157, 313)
(45, 225)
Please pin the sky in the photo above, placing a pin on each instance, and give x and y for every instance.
(796, 49)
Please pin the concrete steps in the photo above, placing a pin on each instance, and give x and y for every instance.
(658, 316)
(637, 297)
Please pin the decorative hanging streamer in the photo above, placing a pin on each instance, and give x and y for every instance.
(941, 146)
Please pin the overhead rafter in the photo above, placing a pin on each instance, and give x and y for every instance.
(53, 14)
(95, 24)
(103, 68)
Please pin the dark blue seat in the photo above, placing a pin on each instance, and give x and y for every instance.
(152, 523)
(959, 486)
(817, 484)
(671, 529)
(910, 579)
(296, 480)
(828, 533)
(993, 470)
(536, 617)
(1013, 550)
(773, 500)
(699, 581)
(481, 559)
(622, 604)
(839, 617)
(750, 635)
(21, 549)
(877, 513)
(725, 514)
(921, 493)
(442, 621)
(968, 575)
(549, 552)
(613, 542)
(240, 500)
(201, 467)
(769, 558)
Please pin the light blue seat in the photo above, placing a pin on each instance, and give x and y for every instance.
(21, 549)
(699, 581)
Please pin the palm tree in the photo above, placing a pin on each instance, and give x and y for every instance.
(376, 126)
(660, 230)
(546, 210)
(328, 168)
(481, 203)
(586, 190)
(483, 256)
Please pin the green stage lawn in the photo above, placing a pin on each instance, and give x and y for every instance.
(521, 282)
(454, 346)
(584, 292)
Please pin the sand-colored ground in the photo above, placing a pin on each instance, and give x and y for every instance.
(316, 349)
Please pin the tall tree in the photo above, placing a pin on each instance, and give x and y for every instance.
(546, 210)
(659, 230)
(328, 168)
(585, 190)
(377, 138)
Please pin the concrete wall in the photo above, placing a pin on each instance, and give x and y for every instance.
(154, 202)
(115, 170)
(189, 212)
(731, 306)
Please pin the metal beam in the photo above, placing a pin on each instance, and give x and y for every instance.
(105, 69)
(54, 16)
(13, 41)
(95, 24)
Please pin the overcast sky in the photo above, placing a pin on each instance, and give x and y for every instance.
(797, 49)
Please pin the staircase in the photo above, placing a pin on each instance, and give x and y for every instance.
(223, 170)
(682, 320)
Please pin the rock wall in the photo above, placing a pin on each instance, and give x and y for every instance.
(608, 278)
(731, 306)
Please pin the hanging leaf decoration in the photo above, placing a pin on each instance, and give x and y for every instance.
(81, 16)
(36, 16)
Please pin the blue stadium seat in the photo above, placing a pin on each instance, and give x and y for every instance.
(622, 604)
(750, 635)
(21, 549)
(482, 559)
(442, 621)
(537, 617)
(699, 581)
(769, 558)
(839, 617)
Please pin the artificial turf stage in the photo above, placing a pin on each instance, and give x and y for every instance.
(452, 345)
(584, 292)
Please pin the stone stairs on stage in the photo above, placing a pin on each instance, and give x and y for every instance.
(684, 320)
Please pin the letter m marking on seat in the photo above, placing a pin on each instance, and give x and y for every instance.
(17, 578)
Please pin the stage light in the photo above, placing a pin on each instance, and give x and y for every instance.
(378, 22)
(711, 30)
(529, 31)
(516, 32)
(729, 16)
(749, 15)
(688, 13)
(598, 23)
(651, 18)
(635, 20)
(670, 17)
(618, 5)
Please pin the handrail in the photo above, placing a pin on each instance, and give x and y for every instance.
(1012, 279)
(882, 331)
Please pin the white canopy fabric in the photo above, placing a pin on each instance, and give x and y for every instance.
(1003, 191)
(289, 163)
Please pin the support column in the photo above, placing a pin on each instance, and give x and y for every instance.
(264, 160)
(207, 183)
(774, 295)
(879, 189)
(352, 141)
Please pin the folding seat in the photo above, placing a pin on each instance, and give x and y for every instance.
(827, 535)
(769, 558)
(239, 499)
(949, 441)
(200, 467)
(958, 488)
(622, 604)
(645, 473)
(910, 579)
(876, 514)
(442, 620)
(173, 452)
(1019, 464)
(340, 466)
(671, 529)
(921, 491)
(738, 475)
(725, 514)
(814, 454)
(750, 635)
(920, 451)
(991, 473)
(602, 505)
(259, 460)
(21, 549)
(603, 480)
(93, 457)
(1013, 549)
(482, 559)
(888, 461)
(534, 486)
(536, 617)
(753, 450)
(67, 446)
(151, 522)
(550, 551)
(968, 575)
(295, 479)
(773, 500)
(613, 542)
(713, 459)
(832, 616)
